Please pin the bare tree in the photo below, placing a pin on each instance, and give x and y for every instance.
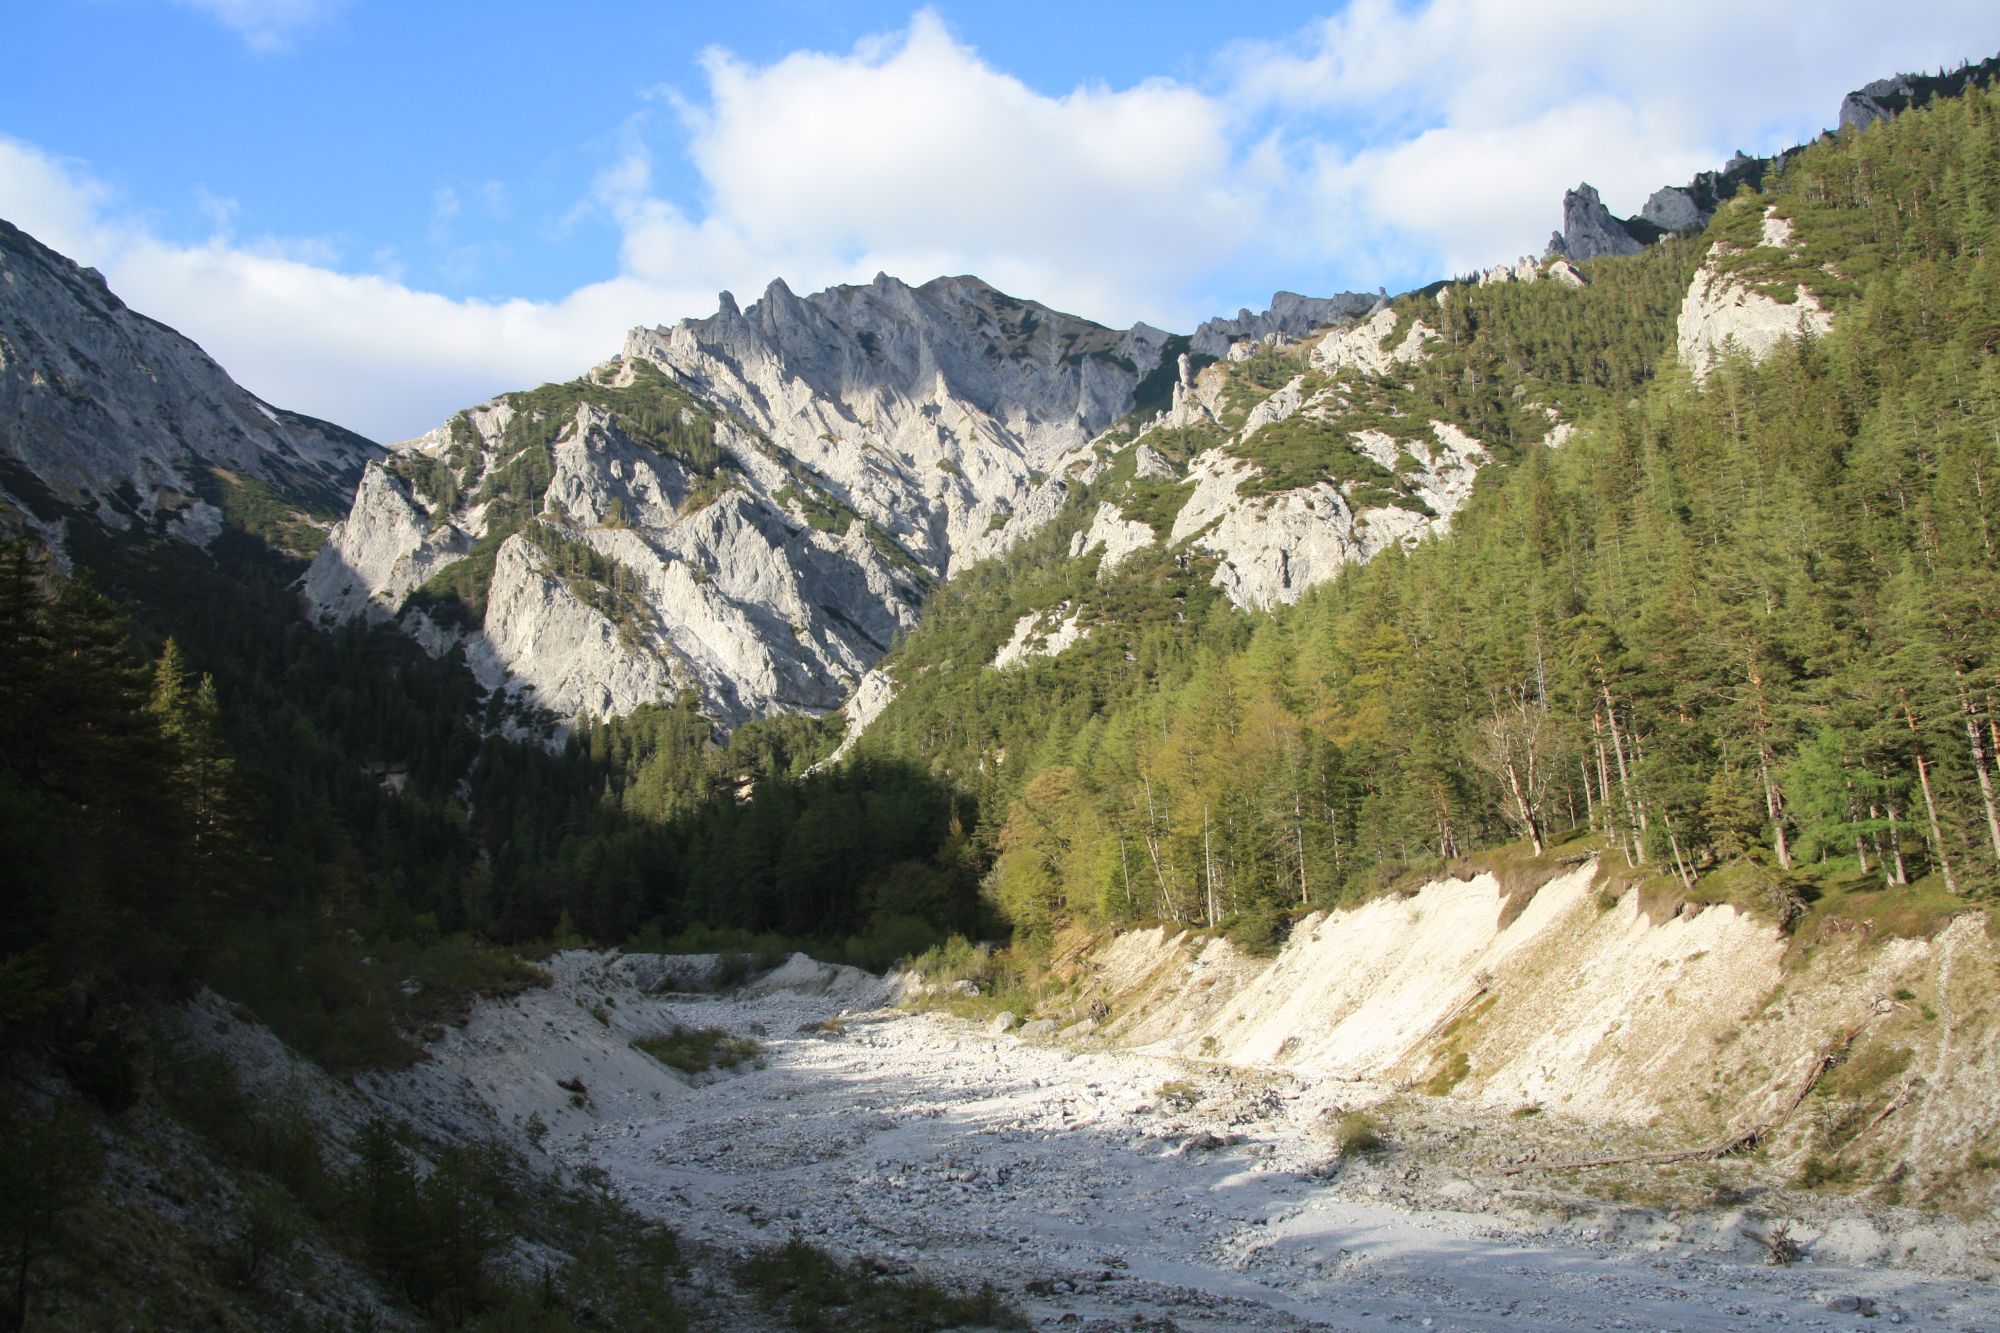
(1515, 746)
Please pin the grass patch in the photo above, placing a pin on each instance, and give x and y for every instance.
(283, 524)
(1358, 1133)
(1866, 1072)
(977, 981)
(814, 1292)
(698, 1050)
(1904, 911)
(1449, 1075)
(1820, 1172)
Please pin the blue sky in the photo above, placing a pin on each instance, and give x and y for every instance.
(379, 212)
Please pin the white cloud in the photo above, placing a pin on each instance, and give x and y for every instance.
(364, 350)
(915, 157)
(1442, 134)
(268, 26)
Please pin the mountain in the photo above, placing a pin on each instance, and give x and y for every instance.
(110, 417)
(750, 506)
(1719, 598)
(1885, 99)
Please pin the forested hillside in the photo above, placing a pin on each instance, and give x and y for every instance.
(1743, 634)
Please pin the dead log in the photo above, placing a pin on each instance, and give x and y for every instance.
(1828, 1057)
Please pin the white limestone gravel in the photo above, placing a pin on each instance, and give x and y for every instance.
(1070, 1180)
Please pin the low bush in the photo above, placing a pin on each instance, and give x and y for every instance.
(698, 1050)
(814, 1292)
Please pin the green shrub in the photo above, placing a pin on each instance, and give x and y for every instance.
(1449, 1075)
(1358, 1134)
(698, 1050)
(815, 1292)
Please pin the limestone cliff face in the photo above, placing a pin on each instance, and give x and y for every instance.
(938, 412)
(109, 416)
(1271, 548)
(750, 506)
(1730, 308)
(1271, 536)
(630, 578)
(1113, 534)
(387, 549)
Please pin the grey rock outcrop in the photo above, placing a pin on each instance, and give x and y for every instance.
(116, 418)
(1271, 546)
(1114, 534)
(1365, 346)
(1885, 99)
(1673, 208)
(1589, 231)
(1271, 549)
(1042, 634)
(1290, 316)
(936, 412)
(628, 585)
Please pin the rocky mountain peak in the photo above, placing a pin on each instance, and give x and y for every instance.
(1289, 315)
(1589, 231)
(1884, 99)
(750, 505)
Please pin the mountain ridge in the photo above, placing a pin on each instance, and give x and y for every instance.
(1590, 230)
(109, 412)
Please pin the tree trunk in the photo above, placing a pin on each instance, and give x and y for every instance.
(1635, 813)
(1774, 805)
(1680, 866)
(1208, 864)
(1979, 759)
(1860, 848)
(1898, 873)
(1167, 911)
(1333, 833)
(1930, 804)
(1299, 830)
(1529, 819)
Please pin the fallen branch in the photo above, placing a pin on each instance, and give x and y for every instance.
(1735, 1143)
(1456, 1013)
(1903, 1097)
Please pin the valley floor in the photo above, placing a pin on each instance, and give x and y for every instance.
(1114, 1188)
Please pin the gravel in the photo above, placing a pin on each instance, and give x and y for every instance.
(1098, 1196)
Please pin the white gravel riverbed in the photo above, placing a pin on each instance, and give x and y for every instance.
(1094, 1200)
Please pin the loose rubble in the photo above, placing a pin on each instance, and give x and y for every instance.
(1106, 1188)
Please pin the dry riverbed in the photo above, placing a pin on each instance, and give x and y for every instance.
(1119, 1189)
